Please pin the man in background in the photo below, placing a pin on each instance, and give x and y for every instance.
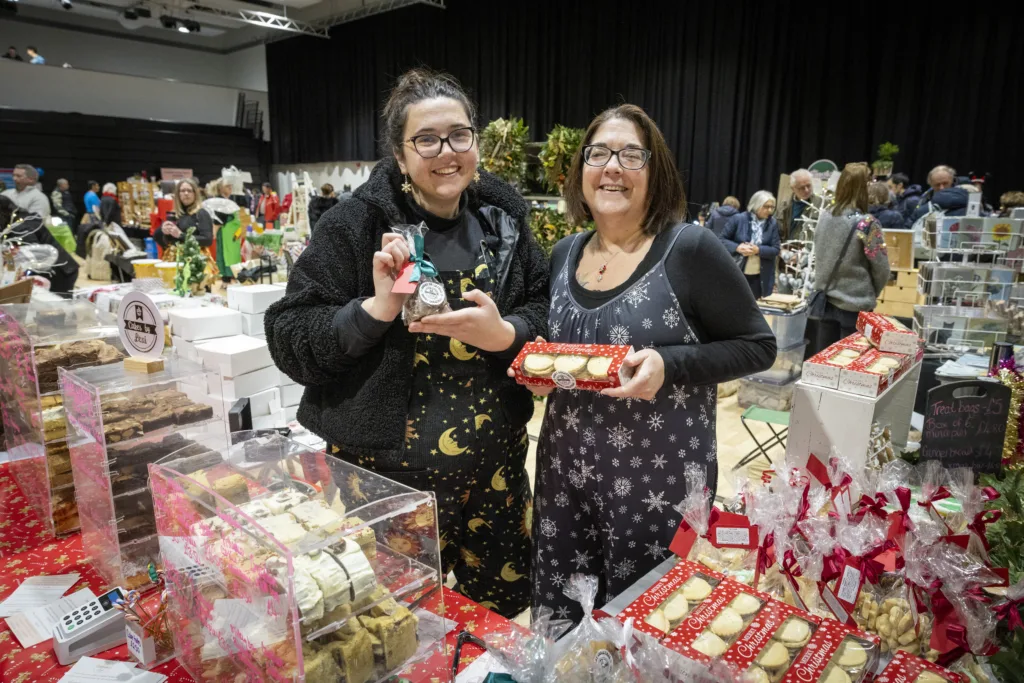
(92, 199)
(941, 195)
(719, 216)
(33, 56)
(25, 193)
(12, 53)
(63, 204)
(802, 208)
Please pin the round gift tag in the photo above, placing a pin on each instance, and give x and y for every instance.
(431, 293)
(563, 380)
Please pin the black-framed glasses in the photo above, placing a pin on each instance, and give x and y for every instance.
(630, 158)
(429, 145)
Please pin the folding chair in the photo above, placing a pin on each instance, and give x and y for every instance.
(771, 418)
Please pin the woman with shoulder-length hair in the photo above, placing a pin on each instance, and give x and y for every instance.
(851, 264)
(427, 405)
(752, 237)
(610, 465)
(188, 213)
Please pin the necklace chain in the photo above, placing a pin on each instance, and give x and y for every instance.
(604, 266)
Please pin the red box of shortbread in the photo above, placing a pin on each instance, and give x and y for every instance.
(824, 368)
(572, 366)
(888, 333)
(907, 668)
(711, 628)
(834, 653)
(663, 606)
(773, 640)
(872, 372)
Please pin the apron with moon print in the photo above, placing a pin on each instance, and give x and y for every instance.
(458, 444)
(609, 471)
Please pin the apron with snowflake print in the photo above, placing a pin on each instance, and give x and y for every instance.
(609, 471)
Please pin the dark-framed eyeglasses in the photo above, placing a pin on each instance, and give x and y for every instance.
(630, 158)
(429, 145)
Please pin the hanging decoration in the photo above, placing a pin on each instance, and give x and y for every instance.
(556, 155)
(503, 150)
(1013, 445)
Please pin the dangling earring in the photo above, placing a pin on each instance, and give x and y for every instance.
(476, 177)
(406, 186)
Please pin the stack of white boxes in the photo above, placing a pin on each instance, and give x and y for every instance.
(193, 326)
(291, 394)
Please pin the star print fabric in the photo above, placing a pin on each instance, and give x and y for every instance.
(459, 445)
(609, 470)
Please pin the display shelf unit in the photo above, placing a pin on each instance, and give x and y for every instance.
(118, 422)
(36, 341)
(966, 327)
(285, 564)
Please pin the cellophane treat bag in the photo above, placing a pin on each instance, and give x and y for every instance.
(419, 278)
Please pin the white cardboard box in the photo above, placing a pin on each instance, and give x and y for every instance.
(277, 419)
(208, 322)
(291, 394)
(186, 349)
(265, 403)
(250, 383)
(252, 324)
(234, 356)
(253, 298)
(290, 413)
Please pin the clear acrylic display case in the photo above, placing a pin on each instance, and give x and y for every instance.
(118, 422)
(286, 564)
(36, 340)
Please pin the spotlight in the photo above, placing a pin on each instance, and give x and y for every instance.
(143, 13)
(182, 29)
(131, 14)
(66, 4)
(168, 22)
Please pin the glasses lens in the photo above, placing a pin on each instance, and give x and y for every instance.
(461, 140)
(633, 159)
(597, 156)
(427, 145)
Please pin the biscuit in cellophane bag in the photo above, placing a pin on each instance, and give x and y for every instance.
(419, 278)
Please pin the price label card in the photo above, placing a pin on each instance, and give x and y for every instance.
(732, 535)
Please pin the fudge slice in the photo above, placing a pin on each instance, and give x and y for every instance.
(195, 412)
(354, 656)
(122, 431)
(396, 639)
(157, 418)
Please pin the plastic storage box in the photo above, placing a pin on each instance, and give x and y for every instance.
(285, 564)
(768, 394)
(36, 340)
(787, 366)
(118, 422)
(788, 326)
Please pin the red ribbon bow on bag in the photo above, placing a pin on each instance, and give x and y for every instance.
(940, 493)
(981, 520)
(920, 591)
(873, 506)
(975, 593)
(989, 493)
(764, 556)
(833, 563)
(1010, 613)
(790, 566)
(870, 568)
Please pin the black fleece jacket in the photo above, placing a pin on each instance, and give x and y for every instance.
(358, 371)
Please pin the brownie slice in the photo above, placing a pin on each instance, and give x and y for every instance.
(121, 431)
(159, 417)
(109, 354)
(193, 413)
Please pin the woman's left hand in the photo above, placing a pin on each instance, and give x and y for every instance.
(648, 376)
(482, 326)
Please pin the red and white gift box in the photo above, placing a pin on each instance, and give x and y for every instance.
(655, 596)
(617, 374)
(762, 629)
(857, 341)
(823, 370)
(699, 619)
(905, 668)
(863, 378)
(827, 640)
(888, 334)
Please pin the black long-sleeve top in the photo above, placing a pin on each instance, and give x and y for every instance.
(735, 340)
(202, 222)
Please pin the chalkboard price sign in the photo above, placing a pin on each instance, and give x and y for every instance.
(965, 425)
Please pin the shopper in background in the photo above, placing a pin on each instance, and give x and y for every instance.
(268, 208)
(609, 462)
(92, 199)
(942, 197)
(26, 193)
(880, 206)
(63, 203)
(12, 53)
(110, 205)
(851, 263)
(427, 405)
(1010, 201)
(33, 56)
(224, 209)
(803, 204)
(188, 213)
(752, 237)
(729, 207)
(27, 227)
(318, 206)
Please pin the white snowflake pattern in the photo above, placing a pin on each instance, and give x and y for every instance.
(572, 419)
(709, 456)
(592, 532)
(646, 443)
(620, 437)
(689, 420)
(637, 518)
(646, 479)
(637, 416)
(623, 509)
(618, 309)
(629, 532)
(656, 501)
(655, 422)
(609, 533)
(558, 579)
(632, 544)
(550, 595)
(559, 434)
(635, 462)
(619, 334)
(553, 562)
(622, 486)
(655, 550)
(671, 438)
(548, 528)
(556, 327)
(589, 437)
(647, 323)
(598, 477)
(611, 408)
(598, 419)
(562, 499)
(694, 442)
(562, 612)
(682, 453)
(637, 295)
(585, 507)
(704, 416)
(615, 462)
(653, 528)
(671, 318)
(679, 396)
(671, 480)
(586, 333)
(658, 462)
(625, 568)
(573, 534)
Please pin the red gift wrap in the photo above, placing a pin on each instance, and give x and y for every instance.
(906, 668)
(834, 646)
(572, 366)
(888, 333)
(715, 625)
(773, 640)
(682, 579)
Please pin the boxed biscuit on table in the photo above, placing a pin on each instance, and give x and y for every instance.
(824, 368)
(834, 654)
(714, 626)
(907, 668)
(773, 640)
(856, 340)
(872, 372)
(572, 366)
(888, 333)
(664, 606)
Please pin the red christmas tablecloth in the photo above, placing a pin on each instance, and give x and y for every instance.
(24, 552)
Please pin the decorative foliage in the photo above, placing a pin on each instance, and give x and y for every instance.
(1006, 536)
(549, 226)
(191, 264)
(886, 152)
(503, 150)
(556, 155)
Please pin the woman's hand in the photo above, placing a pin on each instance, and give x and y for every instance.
(482, 326)
(648, 376)
(387, 263)
(746, 249)
(171, 229)
(536, 391)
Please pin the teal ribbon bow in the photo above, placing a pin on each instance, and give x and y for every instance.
(420, 264)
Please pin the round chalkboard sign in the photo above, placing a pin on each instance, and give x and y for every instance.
(140, 325)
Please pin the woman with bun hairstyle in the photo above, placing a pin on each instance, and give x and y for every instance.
(428, 405)
(611, 465)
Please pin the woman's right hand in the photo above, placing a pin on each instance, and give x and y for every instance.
(537, 391)
(387, 263)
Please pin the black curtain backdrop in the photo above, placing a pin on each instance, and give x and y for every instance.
(81, 147)
(743, 91)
